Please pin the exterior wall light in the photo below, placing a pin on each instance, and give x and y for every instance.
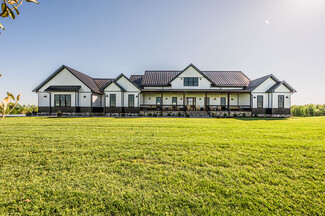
(149, 98)
(106, 95)
(199, 98)
(45, 96)
(166, 98)
(254, 96)
(84, 96)
(215, 98)
(287, 96)
(232, 99)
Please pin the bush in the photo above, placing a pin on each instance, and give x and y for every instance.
(187, 114)
(308, 110)
(169, 114)
(179, 114)
(59, 113)
(123, 114)
(140, 114)
(161, 114)
(225, 115)
(29, 113)
(235, 115)
(214, 115)
(155, 115)
(149, 114)
(244, 114)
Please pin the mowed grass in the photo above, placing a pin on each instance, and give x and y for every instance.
(162, 166)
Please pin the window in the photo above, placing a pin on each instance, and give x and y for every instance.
(62, 100)
(191, 81)
(207, 100)
(259, 101)
(174, 101)
(112, 100)
(223, 101)
(131, 100)
(158, 101)
(281, 101)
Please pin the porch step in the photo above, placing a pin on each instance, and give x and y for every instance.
(202, 114)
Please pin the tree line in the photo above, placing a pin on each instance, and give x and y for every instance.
(308, 110)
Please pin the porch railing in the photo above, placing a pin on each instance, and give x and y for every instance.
(151, 107)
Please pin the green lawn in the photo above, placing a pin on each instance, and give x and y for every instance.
(162, 166)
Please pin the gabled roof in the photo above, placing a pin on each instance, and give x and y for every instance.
(63, 88)
(158, 78)
(100, 82)
(217, 78)
(253, 84)
(228, 78)
(137, 79)
(273, 88)
(115, 81)
(193, 66)
(85, 79)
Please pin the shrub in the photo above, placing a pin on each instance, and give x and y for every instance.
(59, 113)
(140, 114)
(179, 114)
(235, 115)
(123, 114)
(29, 113)
(169, 114)
(155, 115)
(149, 114)
(187, 114)
(161, 114)
(214, 115)
(225, 115)
(244, 115)
(255, 115)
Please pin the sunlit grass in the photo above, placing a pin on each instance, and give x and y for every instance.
(162, 166)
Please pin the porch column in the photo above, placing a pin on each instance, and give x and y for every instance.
(206, 102)
(162, 101)
(228, 103)
(184, 108)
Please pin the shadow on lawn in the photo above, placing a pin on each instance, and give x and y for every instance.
(259, 119)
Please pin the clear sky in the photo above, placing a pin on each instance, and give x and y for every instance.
(104, 38)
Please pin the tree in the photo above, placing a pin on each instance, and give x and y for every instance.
(10, 7)
(4, 108)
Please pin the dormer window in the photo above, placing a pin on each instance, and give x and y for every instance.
(191, 81)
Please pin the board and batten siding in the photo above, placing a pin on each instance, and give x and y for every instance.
(178, 82)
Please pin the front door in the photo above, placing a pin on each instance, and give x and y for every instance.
(191, 103)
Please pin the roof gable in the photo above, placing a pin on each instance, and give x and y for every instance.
(85, 79)
(186, 69)
(115, 84)
(282, 83)
(253, 84)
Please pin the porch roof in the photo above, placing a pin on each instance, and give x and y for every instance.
(198, 90)
(63, 88)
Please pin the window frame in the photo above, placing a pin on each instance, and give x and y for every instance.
(111, 101)
(62, 99)
(158, 101)
(191, 81)
(221, 99)
(174, 104)
(281, 96)
(257, 101)
(131, 98)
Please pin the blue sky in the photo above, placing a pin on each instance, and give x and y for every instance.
(127, 36)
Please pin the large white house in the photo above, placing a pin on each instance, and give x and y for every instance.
(191, 90)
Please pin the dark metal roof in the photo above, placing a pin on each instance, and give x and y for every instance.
(158, 78)
(137, 79)
(63, 88)
(228, 78)
(100, 82)
(218, 78)
(272, 89)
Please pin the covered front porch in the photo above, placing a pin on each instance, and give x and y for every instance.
(195, 100)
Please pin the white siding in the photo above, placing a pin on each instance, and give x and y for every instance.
(97, 100)
(43, 99)
(127, 85)
(178, 83)
(287, 101)
(84, 99)
(266, 85)
(65, 78)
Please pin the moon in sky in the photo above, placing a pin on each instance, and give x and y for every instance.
(267, 22)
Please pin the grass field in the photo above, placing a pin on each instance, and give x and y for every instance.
(162, 166)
